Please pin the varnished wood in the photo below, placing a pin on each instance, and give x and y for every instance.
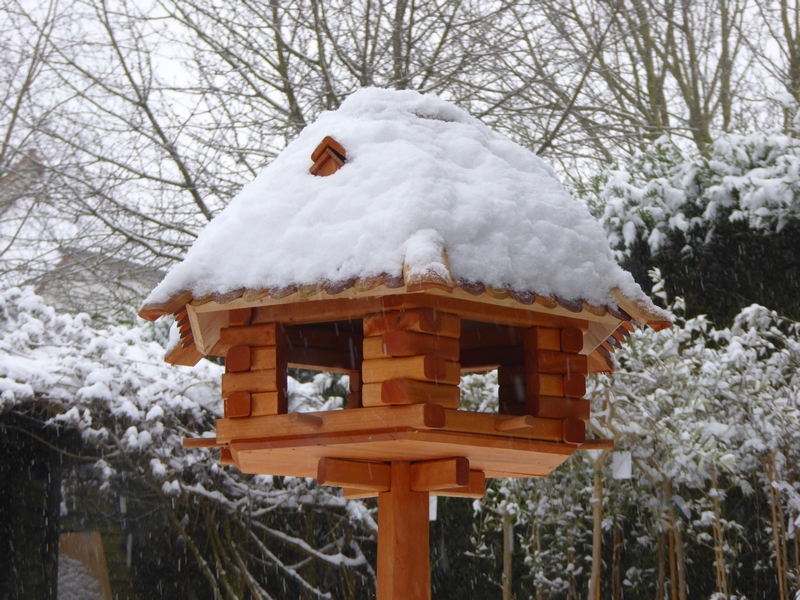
(200, 442)
(409, 343)
(328, 143)
(520, 422)
(558, 362)
(309, 420)
(475, 489)
(409, 391)
(250, 335)
(414, 415)
(574, 431)
(239, 317)
(375, 476)
(226, 457)
(356, 494)
(550, 407)
(403, 544)
(238, 360)
(185, 357)
(265, 357)
(421, 368)
(265, 403)
(249, 381)
(424, 320)
(237, 405)
(427, 476)
(542, 338)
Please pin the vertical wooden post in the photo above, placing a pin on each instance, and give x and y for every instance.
(404, 568)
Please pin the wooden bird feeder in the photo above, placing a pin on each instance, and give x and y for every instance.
(404, 342)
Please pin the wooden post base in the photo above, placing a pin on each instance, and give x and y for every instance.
(404, 568)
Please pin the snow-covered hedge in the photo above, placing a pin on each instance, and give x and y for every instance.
(132, 411)
(755, 178)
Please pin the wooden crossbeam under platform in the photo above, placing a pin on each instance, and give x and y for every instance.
(498, 445)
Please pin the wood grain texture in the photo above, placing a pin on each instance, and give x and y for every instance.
(574, 431)
(561, 363)
(239, 317)
(413, 415)
(249, 381)
(375, 476)
(263, 358)
(551, 407)
(421, 368)
(542, 338)
(410, 343)
(421, 320)
(439, 474)
(237, 405)
(475, 489)
(250, 335)
(404, 571)
(266, 403)
(238, 359)
(409, 391)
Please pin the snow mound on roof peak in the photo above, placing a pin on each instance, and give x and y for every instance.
(414, 163)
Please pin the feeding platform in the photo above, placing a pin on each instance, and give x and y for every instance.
(406, 246)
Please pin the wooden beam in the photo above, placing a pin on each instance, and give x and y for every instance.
(558, 362)
(239, 317)
(421, 368)
(521, 422)
(409, 343)
(250, 335)
(237, 405)
(442, 474)
(561, 408)
(542, 338)
(226, 456)
(404, 570)
(375, 476)
(238, 360)
(206, 328)
(413, 415)
(475, 489)
(421, 320)
(249, 381)
(185, 357)
(410, 391)
(265, 403)
(574, 431)
(307, 419)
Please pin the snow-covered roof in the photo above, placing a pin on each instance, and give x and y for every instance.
(424, 182)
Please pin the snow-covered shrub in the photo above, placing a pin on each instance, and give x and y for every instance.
(724, 228)
(132, 411)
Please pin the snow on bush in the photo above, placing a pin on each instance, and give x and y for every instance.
(755, 178)
(133, 410)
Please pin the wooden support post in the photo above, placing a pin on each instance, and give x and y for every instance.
(404, 569)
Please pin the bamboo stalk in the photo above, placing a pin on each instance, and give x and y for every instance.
(769, 469)
(597, 529)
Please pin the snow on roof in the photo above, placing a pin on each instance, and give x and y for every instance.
(421, 177)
